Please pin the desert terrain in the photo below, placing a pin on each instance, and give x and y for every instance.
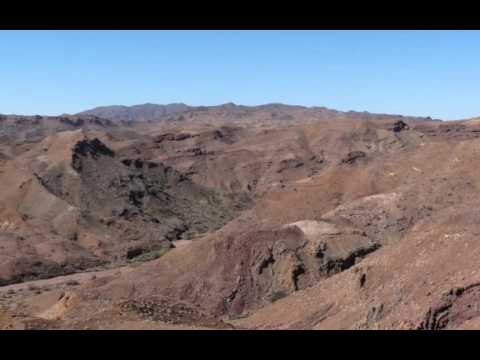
(234, 217)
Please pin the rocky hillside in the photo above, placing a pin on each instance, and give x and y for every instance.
(71, 203)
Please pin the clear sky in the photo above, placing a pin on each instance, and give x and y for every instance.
(425, 73)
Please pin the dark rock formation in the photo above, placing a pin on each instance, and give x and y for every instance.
(454, 308)
(400, 126)
(353, 157)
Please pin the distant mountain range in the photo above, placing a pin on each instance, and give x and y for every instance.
(152, 112)
(143, 112)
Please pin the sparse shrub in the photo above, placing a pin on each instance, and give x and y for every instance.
(277, 295)
(239, 316)
(72, 283)
(151, 255)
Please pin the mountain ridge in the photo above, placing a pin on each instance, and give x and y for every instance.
(153, 112)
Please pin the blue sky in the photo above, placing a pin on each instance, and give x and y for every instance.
(425, 73)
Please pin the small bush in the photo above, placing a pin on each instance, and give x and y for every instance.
(239, 316)
(277, 295)
(72, 283)
(149, 256)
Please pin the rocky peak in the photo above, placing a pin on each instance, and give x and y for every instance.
(93, 148)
